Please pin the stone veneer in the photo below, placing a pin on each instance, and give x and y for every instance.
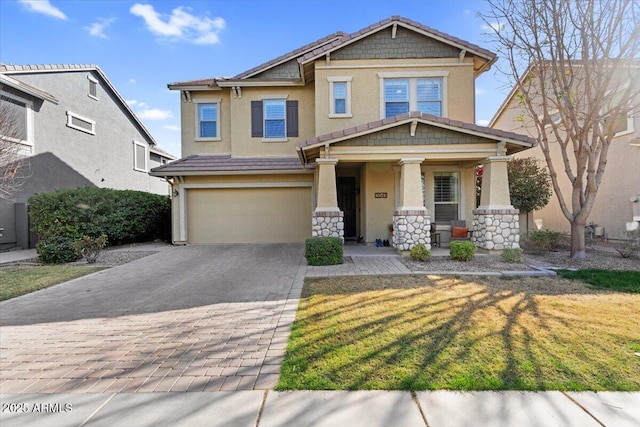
(411, 228)
(327, 224)
(496, 229)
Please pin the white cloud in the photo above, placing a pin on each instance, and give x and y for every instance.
(480, 91)
(131, 102)
(172, 127)
(154, 114)
(97, 28)
(180, 25)
(132, 81)
(494, 26)
(482, 122)
(44, 7)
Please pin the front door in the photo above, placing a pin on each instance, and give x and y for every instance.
(347, 204)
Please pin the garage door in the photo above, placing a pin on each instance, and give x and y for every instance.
(248, 215)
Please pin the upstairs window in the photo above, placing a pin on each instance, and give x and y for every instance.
(340, 97)
(417, 92)
(16, 119)
(624, 122)
(274, 119)
(76, 121)
(139, 156)
(207, 121)
(93, 87)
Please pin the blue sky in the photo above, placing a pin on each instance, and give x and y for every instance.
(142, 46)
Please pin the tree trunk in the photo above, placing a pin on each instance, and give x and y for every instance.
(577, 240)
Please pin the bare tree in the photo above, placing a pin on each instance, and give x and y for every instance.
(575, 68)
(14, 165)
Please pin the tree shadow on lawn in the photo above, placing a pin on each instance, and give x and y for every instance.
(474, 333)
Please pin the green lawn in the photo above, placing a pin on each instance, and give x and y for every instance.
(425, 333)
(16, 281)
(617, 280)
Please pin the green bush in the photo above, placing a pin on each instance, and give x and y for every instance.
(462, 250)
(89, 247)
(323, 250)
(420, 252)
(515, 256)
(56, 250)
(124, 216)
(543, 241)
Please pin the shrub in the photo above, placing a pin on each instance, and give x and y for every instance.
(56, 250)
(630, 245)
(420, 252)
(462, 250)
(515, 256)
(89, 247)
(124, 216)
(323, 250)
(543, 241)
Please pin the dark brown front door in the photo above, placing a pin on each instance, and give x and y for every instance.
(347, 204)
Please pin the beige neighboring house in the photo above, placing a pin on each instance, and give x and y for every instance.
(74, 129)
(617, 206)
(351, 135)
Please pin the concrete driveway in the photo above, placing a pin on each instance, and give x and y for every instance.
(189, 318)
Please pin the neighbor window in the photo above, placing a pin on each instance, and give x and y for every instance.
(418, 94)
(274, 119)
(93, 87)
(17, 114)
(340, 96)
(208, 119)
(80, 123)
(446, 190)
(139, 156)
(624, 122)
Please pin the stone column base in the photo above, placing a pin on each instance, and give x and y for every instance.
(496, 229)
(411, 228)
(327, 224)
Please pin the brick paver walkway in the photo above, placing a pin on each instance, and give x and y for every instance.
(361, 265)
(237, 343)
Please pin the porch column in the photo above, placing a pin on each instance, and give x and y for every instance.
(496, 221)
(411, 222)
(327, 219)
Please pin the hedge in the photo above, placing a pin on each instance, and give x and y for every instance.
(324, 250)
(123, 216)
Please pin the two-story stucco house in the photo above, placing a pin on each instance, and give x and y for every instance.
(366, 134)
(74, 129)
(617, 206)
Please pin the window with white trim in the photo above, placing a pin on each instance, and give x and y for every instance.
(76, 121)
(208, 120)
(413, 94)
(139, 156)
(624, 122)
(17, 118)
(340, 97)
(93, 88)
(446, 196)
(274, 116)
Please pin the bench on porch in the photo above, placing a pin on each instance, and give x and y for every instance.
(460, 231)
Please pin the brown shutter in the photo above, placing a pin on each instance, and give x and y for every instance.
(256, 119)
(292, 118)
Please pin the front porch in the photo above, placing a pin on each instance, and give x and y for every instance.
(403, 183)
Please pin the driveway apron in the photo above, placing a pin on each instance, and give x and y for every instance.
(191, 318)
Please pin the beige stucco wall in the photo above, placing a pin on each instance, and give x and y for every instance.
(613, 208)
(188, 122)
(366, 86)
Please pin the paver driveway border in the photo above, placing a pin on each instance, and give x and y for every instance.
(192, 318)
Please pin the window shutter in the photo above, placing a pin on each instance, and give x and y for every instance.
(256, 119)
(292, 118)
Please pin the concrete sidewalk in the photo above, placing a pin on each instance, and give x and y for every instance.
(324, 408)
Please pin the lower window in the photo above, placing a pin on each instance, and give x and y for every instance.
(446, 196)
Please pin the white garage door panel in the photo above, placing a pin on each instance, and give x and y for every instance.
(248, 215)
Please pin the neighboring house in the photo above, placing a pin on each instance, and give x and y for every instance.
(74, 129)
(617, 205)
(352, 135)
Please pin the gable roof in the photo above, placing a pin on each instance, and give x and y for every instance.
(338, 40)
(26, 88)
(16, 70)
(428, 119)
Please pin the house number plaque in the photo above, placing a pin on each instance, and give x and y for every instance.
(381, 195)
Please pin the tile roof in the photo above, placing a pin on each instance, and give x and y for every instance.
(46, 67)
(225, 163)
(386, 22)
(27, 88)
(408, 117)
